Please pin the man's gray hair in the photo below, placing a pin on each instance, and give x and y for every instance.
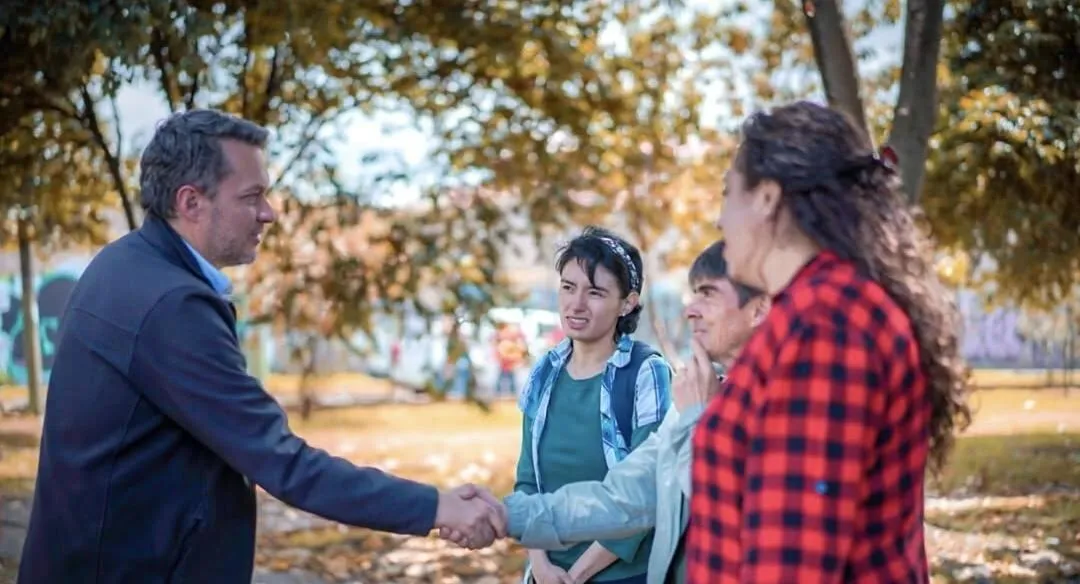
(186, 150)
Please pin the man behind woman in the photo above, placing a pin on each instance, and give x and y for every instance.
(809, 464)
(591, 400)
(650, 488)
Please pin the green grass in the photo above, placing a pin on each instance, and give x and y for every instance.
(1025, 488)
(1011, 465)
(1041, 517)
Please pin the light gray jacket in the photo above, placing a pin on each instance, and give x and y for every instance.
(649, 488)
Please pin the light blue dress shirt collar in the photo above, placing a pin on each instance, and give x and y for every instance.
(218, 279)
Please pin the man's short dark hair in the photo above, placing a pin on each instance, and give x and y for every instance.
(710, 265)
(186, 149)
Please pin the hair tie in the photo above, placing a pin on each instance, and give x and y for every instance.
(886, 159)
(635, 281)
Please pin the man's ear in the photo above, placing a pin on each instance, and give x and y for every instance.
(189, 202)
(761, 310)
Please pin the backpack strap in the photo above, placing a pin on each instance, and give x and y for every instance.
(624, 389)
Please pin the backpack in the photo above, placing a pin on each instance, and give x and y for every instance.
(623, 389)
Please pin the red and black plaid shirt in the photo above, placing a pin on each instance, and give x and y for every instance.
(809, 466)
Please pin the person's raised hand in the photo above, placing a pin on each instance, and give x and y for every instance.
(695, 382)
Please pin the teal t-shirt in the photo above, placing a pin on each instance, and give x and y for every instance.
(571, 451)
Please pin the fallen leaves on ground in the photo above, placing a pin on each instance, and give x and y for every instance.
(296, 540)
(1006, 509)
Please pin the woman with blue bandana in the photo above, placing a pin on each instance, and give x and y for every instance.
(591, 400)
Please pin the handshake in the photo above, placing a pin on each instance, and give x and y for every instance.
(471, 517)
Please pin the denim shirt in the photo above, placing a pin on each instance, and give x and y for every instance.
(652, 396)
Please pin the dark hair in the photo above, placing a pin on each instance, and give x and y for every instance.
(710, 265)
(599, 247)
(186, 150)
(847, 200)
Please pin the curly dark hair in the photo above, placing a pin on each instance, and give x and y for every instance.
(844, 198)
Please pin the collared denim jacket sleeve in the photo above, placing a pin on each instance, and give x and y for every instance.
(623, 504)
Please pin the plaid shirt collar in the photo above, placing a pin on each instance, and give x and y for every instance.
(619, 359)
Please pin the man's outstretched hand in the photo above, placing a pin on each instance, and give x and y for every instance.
(470, 516)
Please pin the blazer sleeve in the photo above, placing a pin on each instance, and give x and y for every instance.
(187, 362)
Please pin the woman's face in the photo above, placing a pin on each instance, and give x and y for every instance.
(745, 220)
(589, 310)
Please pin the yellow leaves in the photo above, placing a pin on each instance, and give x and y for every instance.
(953, 267)
(543, 118)
(100, 65)
(611, 161)
(739, 41)
(1001, 174)
(533, 61)
(63, 185)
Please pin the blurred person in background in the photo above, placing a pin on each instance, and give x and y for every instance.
(511, 353)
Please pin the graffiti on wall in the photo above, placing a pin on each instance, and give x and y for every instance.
(994, 339)
(52, 290)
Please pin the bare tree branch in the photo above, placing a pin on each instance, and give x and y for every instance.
(157, 46)
(916, 106)
(310, 133)
(272, 82)
(835, 58)
(90, 120)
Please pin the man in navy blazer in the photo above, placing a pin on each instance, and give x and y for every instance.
(154, 432)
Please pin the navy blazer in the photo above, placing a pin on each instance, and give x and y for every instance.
(152, 424)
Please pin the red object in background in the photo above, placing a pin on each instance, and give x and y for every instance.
(511, 347)
(395, 353)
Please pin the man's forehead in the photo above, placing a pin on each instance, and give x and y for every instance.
(710, 284)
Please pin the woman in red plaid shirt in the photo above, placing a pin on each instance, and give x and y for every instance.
(809, 465)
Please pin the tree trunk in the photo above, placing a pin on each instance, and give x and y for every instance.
(1070, 352)
(307, 394)
(31, 344)
(125, 199)
(916, 106)
(835, 59)
(90, 120)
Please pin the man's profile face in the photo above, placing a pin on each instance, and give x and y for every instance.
(240, 211)
(716, 320)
